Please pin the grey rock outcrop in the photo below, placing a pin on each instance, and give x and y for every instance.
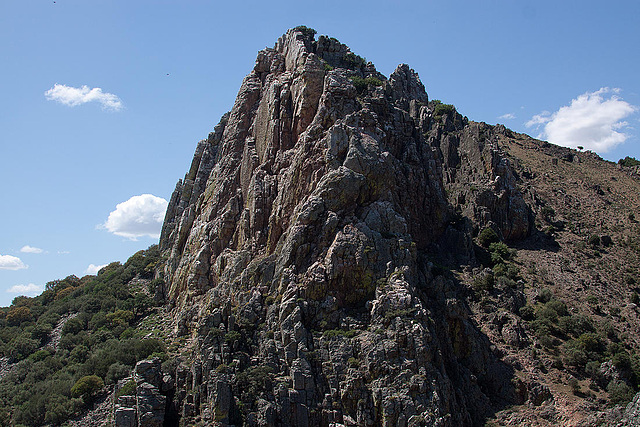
(147, 406)
(299, 250)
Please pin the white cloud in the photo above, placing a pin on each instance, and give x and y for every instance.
(29, 290)
(593, 120)
(8, 262)
(73, 96)
(508, 116)
(137, 217)
(539, 119)
(93, 269)
(31, 250)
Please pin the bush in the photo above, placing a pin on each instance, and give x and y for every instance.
(21, 346)
(79, 354)
(547, 313)
(619, 392)
(544, 295)
(487, 236)
(558, 306)
(306, 31)
(362, 84)
(332, 333)
(629, 161)
(116, 372)
(575, 325)
(575, 385)
(483, 282)
(354, 61)
(18, 315)
(72, 326)
(60, 408)
(499, 252)
(128, 389)
(120, 318)
(86, 386)
(253, 381)
(527, 312)
(441, 109)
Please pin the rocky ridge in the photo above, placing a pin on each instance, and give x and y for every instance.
(301, 249)
(323, 262)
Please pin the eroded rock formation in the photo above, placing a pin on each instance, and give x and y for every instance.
(302, 250)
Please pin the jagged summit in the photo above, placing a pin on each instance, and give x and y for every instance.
(315, 206)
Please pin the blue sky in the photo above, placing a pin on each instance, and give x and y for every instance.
(159, 74)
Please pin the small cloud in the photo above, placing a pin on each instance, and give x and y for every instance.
(63, 252)
(28, 290)
(73, 96)
(137, 217)
(539, 119)
(93, 269)
(508, 116)
(8, 262)
(30, 250)
(593, 120)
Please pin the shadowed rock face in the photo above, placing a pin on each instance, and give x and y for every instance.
(298, 249)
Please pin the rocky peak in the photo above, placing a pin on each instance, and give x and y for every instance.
(309, 224)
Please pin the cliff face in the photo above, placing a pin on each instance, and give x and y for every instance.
(303, 246)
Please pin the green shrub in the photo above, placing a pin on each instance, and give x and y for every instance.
(499, 252)
(79, 353)
(116, 372)
(354, 61)
(86, 386)
(232, 337)
(629, 161)
(253, 381)
(547, 341)
(332, 333)
(483, 282)
(575, 325)
(362, 84)
(547, 313)
(21, 347)
(574, 384)
(503, 282)
(441, 109)
(574, 356)
(18, 315)
(487, 237)
(128, 389)
(527, 312)
(558, 306)
(619, 392)
(544, 295)
(306, 31)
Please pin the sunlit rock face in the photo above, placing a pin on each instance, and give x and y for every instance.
(299, 250)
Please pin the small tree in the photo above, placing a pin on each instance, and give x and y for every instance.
(487, 236)
(86, 387)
